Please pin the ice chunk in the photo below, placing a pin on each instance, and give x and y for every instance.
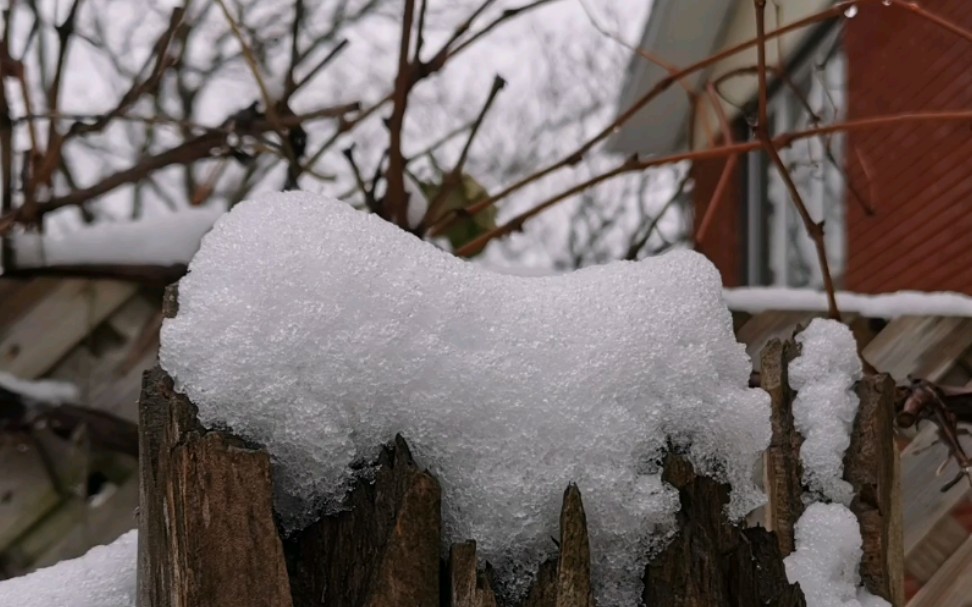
(320, 332)
(104, 577)
(826, 404)
(50, 391)
(828, 550)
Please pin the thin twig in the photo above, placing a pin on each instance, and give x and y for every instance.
(453, 179)
(634, 164)
(395, 204)
(814, 229)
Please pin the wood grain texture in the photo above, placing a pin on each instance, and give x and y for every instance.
(870, 467)
(783, 471)
(382, 550)
(469, 587)
(710, 562)
(206, 529)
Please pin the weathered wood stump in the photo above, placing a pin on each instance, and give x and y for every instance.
(208, 535)
(710, 562)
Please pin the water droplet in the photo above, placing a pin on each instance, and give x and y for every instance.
(851, 11)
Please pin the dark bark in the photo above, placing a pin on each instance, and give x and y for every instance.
(710, 562)
(383, 550)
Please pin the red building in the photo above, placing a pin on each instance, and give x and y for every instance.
(877, 60)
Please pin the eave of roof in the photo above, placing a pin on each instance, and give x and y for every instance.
(681, 32)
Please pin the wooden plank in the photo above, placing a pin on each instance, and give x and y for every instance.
(710, 561)
(952, 583)
(923, 504)
(104, 521)
(919, 346)
(26, 491)
(782, 470)
(206, 530)
(942, 541)
(40, 337)
(107, 365)
(382, 550)
(468, 586)
(763, 327)
(566, 580)
(870, 468)
(924, 347)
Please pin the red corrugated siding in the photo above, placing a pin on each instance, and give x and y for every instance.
(723, 243)
(920, 175)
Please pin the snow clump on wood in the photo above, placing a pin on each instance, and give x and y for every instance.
(320, 332)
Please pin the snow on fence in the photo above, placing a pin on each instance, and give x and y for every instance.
(208, 534)
(626, 380)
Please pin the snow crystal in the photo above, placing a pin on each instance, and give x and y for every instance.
(321, 332)
(104, 577)
(826, 404)
(828, 550)
(164, 240)
(888, 305)
(48, 391)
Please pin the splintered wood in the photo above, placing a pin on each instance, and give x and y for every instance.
(208, 536)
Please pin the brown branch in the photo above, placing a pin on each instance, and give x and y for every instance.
(780, 141)
(639, 244)
(453, 179)
(395, 204)
(163, 61)
(324, 62)
(814, 229)
(209, 144)
(443, 223)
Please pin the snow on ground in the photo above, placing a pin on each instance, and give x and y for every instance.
(104, 577)
(826, 405)
(45, 391)
(330, 330)
(166, 239)
(891, 305)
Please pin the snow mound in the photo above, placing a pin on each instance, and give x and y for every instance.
(321, 332)
(826, 404)
(828, 550)
(104, 577)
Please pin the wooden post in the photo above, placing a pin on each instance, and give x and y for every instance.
(782, 473)
(872, 467)
(711, 563)
(206, 529)
(206, 534)
(382, 550)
